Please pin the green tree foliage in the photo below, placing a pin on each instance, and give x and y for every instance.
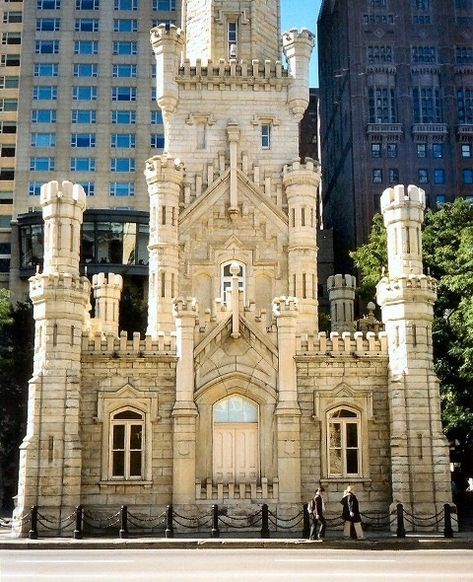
(448, 256)
(16, 356)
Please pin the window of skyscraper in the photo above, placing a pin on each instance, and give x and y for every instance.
(126, 4)
(125, 25)
(393, 175)
(43, 140)
(83, 140)
(9, 82)
(8, 127)
(437, 150)
(47, 24)
(10, 60)
(379, 54)
(46, 69)
(157, 140)
(466, 150)
(125, 70)
(122, 189)
(468, 176)
(48, 4)
(392, 150)
(440, 199)
(12, 16)
(86, 47)
(423, 176)
(122, 165)
(421, 4)
(82, 165)
(8, 104)
(11, 38)
(123, 94)
(377, 176)
(465, 105)
(156, 117)
(376, 151)
(85, 69)
(377, 3)
(43, 116)
(124, 47)
(87, 4)
(123, 117)
(427, 105)
(42, 164)
(47, 47)
(122, 140)
(83, 116)
(382, 105)
(89, 188)
(464, 55)
(165, 5)
(86, 25)
(84, 93)
(421, 149)
(423, 55)
(45, 93)
(34, 188)
(439, 176)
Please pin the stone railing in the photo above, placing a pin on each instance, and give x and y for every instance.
(232, 70)
(209, 490)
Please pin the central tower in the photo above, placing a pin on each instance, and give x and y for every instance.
(231, 29)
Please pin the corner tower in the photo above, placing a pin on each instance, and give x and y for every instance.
(419, 452)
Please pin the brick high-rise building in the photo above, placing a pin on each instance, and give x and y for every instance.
(396, 100)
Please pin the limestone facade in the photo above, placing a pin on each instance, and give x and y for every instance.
(233, 397)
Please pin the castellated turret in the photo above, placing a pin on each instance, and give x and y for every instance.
(419, 452)
(341, 293)
(165, 176)
(51, 451)
(167, 43)
(107, 290)
(297, 46)
(301, 182)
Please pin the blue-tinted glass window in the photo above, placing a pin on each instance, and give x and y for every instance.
(42, 164)
(123, 117)
(124, 47)
(85, 69)
(43, 140)
(83, 116)
(46, 69)
(125, 25)
(86, 47)
(124, 70)
(47, 24)
(45, 93)
(122, 140)
(123, 93)
(122, 189)
(82, 164)
(47, 47)
(157, 140)
(84, 93)
(83, 140)
(43, 116)
(122, 165)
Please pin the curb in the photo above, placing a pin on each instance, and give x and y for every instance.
(235, 544)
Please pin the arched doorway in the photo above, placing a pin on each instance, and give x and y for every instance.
(235, 440)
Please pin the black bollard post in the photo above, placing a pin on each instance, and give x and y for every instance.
(447, 517)
(215, 533)
(169, 531)
(306, 523)
(78, 528)
(33, 533)
(265, 521)
(400, 531)
(123, 533)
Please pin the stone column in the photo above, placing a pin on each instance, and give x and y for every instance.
(233, 132)
(184, 412)
(288, 411)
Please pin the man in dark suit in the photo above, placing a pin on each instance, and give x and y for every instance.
(316, 509)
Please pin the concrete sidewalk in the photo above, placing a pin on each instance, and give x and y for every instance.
(374, 541)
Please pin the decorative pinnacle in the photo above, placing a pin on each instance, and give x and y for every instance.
(285, 306)
(67, 193)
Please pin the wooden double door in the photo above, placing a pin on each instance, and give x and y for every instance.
(235, 452)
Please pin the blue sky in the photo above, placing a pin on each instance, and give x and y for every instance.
(302, 14)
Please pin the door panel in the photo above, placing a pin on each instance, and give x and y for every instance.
(235, 452)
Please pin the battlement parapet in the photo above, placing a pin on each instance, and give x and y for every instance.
(424, 282)
(347, 344)
(233, 72)
(399, 196)
(297, 173)
(67, 193)
(185, 306)
(41, 283)
(113, 347)
(341, 281)
(285, 306)
(108, 280)
(164, 168)
(303, 35)
(164, 32)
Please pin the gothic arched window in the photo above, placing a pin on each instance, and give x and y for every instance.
(344, 442)
(127, 445)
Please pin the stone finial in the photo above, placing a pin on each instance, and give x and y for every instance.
(164, 168)
(185, 306)
(369, 323)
